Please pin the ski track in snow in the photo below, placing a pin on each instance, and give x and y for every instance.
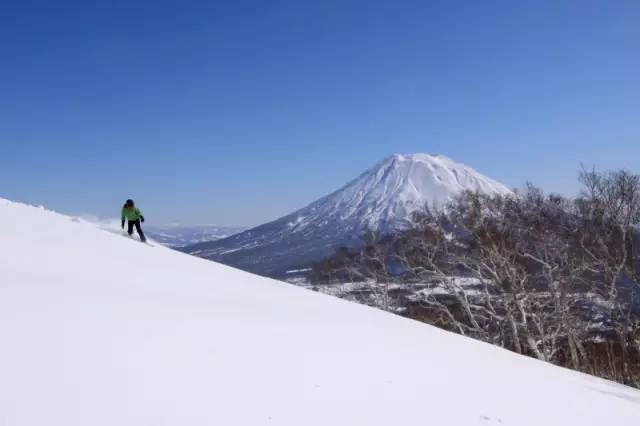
(99, 330)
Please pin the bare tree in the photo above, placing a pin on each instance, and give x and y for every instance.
(542, 275)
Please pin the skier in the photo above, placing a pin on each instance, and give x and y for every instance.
(134, 217)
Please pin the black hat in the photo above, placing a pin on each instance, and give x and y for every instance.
(129, 202)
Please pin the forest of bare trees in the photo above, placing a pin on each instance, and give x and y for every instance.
(542, 275)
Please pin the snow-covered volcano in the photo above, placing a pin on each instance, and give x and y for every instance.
(99, 329)
(382, 199)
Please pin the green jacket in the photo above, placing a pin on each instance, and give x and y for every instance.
(131, 214)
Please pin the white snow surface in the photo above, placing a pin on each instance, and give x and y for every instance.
(98, 329)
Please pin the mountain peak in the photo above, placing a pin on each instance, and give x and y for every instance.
(418, 156)
(418, 180)
(382, 199)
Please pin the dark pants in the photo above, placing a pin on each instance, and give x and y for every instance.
(130, 226)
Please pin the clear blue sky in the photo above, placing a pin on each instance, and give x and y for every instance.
(237, 112)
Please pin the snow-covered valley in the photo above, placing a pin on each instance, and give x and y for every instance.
(99, 329)
(177, 236)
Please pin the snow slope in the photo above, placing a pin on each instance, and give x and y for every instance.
(383, 199)
(98, 329)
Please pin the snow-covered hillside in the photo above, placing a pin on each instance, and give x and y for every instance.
(98, 329)
(383, 199)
